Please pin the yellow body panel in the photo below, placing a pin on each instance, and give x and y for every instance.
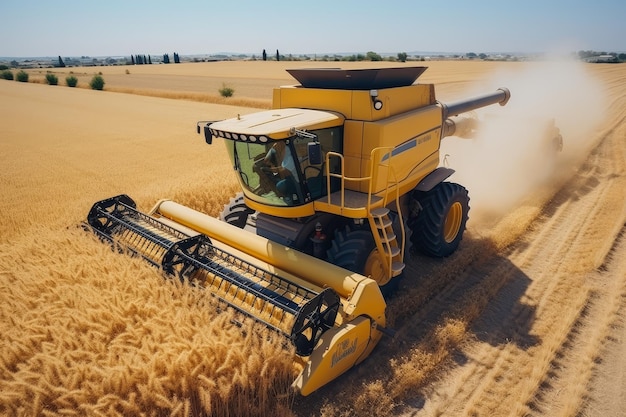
(339, 349)
(356, 104)
(413, 137)
(353, 147)
(280, 211)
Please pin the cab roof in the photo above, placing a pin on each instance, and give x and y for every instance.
(274, 124)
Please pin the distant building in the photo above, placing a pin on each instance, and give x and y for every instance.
(603, 59)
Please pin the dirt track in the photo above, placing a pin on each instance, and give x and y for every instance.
(527, 318)
(550, 342)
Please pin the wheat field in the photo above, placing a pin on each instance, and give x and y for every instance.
(527, 318)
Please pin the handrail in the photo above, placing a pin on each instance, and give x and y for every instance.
(391, 181)
(343, 179)
(382, 162)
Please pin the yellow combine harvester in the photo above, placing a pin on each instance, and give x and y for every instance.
(335, 178)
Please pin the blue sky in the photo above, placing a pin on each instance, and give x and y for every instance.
(116, 27)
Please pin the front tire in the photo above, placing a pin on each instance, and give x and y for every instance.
(438, 228)
(355, 250)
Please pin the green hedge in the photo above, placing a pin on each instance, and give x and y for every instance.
(97, 82)
(22, 76)
(71, 81)
(52, 79)
(226, 91)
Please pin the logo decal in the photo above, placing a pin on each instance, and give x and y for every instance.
(345, 349)
(424, 139)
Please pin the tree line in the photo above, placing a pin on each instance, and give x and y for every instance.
(142, 59)
(369, 56)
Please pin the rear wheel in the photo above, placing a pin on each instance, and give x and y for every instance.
(236, 212)
(355, 250)
(438, 228)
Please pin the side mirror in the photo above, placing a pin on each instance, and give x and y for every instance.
(314, 152)
(208, 138)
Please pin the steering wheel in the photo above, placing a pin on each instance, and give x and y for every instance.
(318, 171)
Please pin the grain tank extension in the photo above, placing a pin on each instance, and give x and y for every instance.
(337, 180)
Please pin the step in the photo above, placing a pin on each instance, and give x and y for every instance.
(391, 236)
(380, 212)
(383, 222)
(397, 268)
(395, 251)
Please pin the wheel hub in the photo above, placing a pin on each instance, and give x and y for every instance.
(453, 222)
(375, 269)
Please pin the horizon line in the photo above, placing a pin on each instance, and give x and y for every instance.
(227, 53)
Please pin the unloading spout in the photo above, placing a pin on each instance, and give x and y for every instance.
(500, 96)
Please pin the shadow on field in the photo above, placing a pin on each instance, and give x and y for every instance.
(474, 293)
(507, 319)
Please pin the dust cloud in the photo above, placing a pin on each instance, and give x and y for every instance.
(511, 153)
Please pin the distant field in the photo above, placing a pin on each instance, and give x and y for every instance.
(527, 318)
(251, 79)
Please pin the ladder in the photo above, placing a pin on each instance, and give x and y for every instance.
(386, 241)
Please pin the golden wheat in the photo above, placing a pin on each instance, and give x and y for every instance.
(202, 98)
(147, 346)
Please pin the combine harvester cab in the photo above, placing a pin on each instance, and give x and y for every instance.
(318, 232)
(333, 317)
